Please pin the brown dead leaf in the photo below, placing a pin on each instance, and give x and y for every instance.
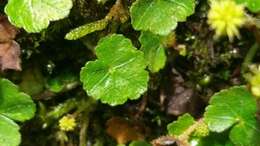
(7, 31)
(179, 103)
(10, 56)
(165, 141)
(123, 131)
(9, 49)
(180, 98)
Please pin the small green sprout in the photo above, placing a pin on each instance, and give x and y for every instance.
(226, 17)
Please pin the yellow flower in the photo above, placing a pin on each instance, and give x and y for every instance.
(67, 123)
(226, 17)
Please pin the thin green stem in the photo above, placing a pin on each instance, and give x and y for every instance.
(249, 58)
(83, 129)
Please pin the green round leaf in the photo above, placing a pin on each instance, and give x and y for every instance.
(118, 74)
(35, 15)
(214, 139)
(234, 108)
(183, 123)
(14, 104)
(160, 16)
(252, 5)
(9, 132)
(154, 53)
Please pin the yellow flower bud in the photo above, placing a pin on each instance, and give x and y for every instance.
(255, 85)
(255, 91)
(201, 130)
(226, 17)
(67, 123)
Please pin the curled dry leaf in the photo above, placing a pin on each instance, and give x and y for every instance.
(10, 56)
(165, 141)
(124, 131)
(9, 49)
(7, 31)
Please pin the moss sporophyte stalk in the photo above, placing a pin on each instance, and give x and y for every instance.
(226, 17)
